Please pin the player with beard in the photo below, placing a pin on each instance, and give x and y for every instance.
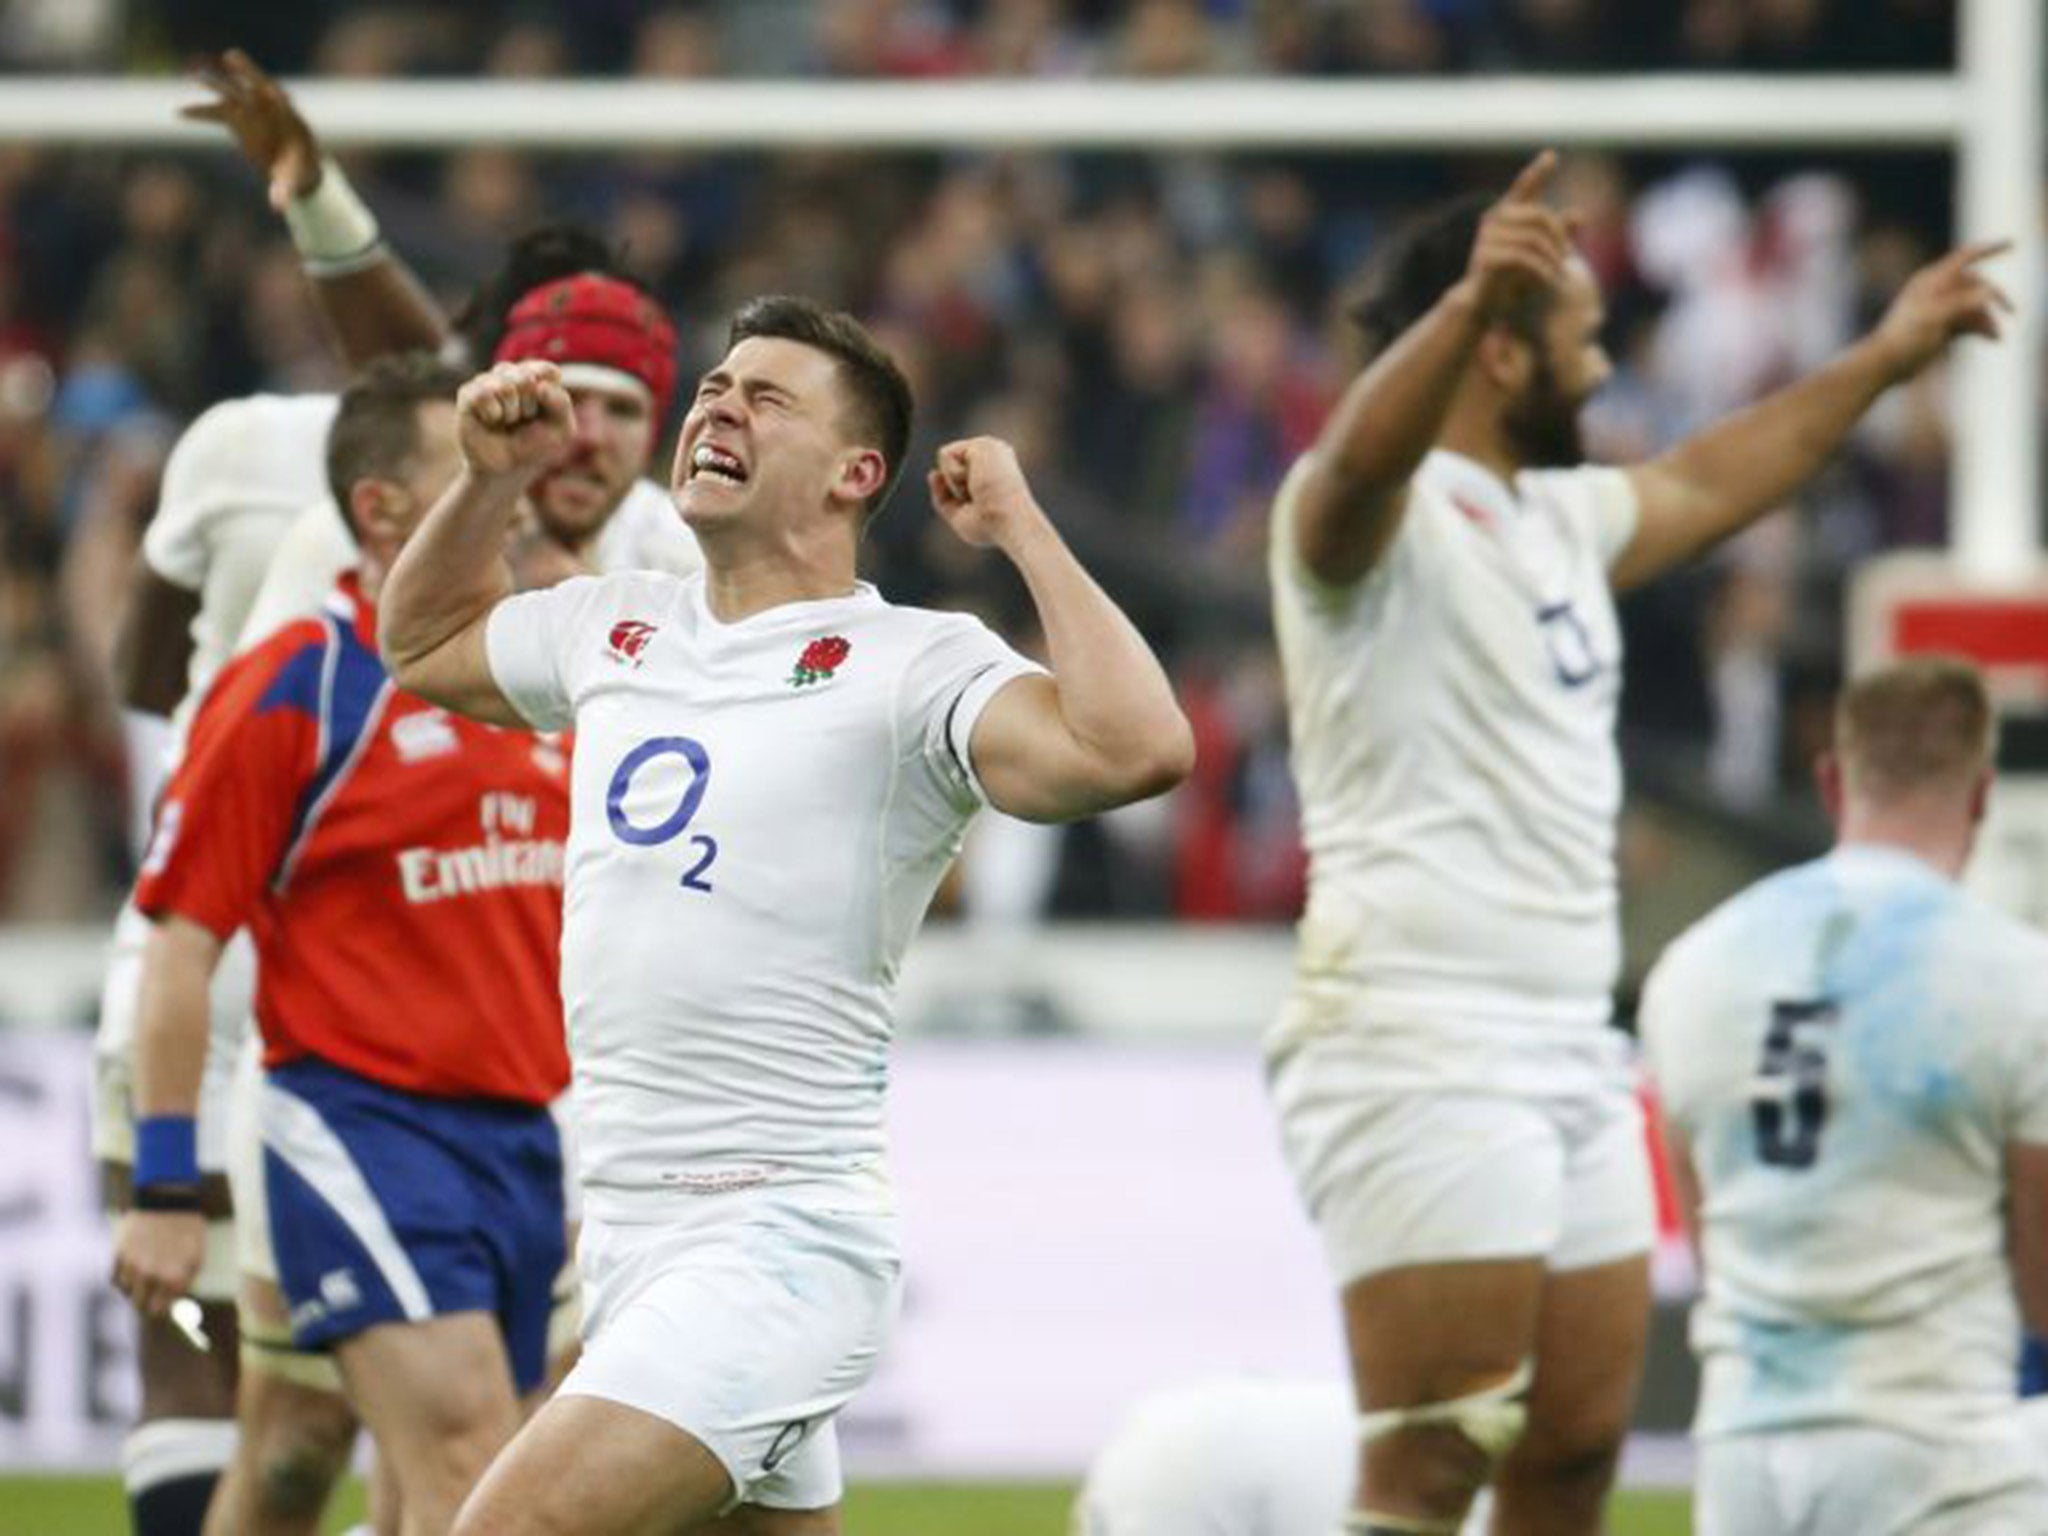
(1461, 1121)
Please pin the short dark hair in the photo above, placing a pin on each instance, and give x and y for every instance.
(880, 395)
(1421, 262)
(542, 255)
(1923, 723)
(376, 427)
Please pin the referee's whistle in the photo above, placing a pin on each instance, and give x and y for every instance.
(187, 1318)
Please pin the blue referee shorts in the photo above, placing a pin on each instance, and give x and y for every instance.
(388, 1206)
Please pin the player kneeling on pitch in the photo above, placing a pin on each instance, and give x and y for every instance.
(400, 872)
(1853, 1057)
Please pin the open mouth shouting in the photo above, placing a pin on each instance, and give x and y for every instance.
(718, 465)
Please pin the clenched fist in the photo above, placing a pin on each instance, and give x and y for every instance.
(515, 420)
(156, 1256)
(981, 492)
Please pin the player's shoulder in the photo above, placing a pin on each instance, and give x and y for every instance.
(1996, 943)
(912, 631)
(286, 669)
(255, 450)
(1771, 907)
(260, 424)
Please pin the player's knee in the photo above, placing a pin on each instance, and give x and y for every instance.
(458, 1438)
(294, 1479)
(1489, 1421)
(1581, 1455)
(302, 1448)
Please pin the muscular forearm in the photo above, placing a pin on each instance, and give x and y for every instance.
(373, 304)
(1113, 694)
(452, 571)
(378, 311)
(1719, 481)
(172, 1017)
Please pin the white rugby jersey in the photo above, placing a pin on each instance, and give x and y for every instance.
(1453, 720)
(237, 477)
(760, 814)
(231, 487)
(1847, 1049)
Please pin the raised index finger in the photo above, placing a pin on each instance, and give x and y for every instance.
(1533, 180)
(1970, 254)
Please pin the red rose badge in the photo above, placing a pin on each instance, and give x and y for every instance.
(821, 658)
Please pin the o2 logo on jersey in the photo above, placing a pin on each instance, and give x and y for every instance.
(662, 750)
(1570, 643)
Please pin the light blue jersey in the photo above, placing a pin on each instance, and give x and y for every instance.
(1847, 1049)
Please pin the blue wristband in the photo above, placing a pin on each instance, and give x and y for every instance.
(166, 1150)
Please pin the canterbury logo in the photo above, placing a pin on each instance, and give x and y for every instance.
(628, 639)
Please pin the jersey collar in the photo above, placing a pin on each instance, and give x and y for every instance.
(349, 603)
(1882, 858)
(804, 611)
(1476, 491)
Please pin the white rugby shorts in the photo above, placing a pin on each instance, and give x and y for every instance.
(1861, 1480)
(1395, 1173)
(747, 1321)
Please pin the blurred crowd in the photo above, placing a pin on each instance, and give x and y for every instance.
(1158, 335)
(937, 38)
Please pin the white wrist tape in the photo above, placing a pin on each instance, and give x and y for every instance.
(333, 229)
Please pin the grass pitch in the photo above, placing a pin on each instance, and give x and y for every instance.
(92, 1506)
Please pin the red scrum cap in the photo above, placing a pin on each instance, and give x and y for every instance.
(602, 331)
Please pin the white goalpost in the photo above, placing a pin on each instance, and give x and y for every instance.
(1988, 113)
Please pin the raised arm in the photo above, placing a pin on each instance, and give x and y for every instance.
(1349, 505)
(511, 422)
(1719, 481)
(159, 1244)
(1105, 728)
(372, 302)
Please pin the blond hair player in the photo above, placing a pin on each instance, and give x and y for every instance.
(1853, 1057)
